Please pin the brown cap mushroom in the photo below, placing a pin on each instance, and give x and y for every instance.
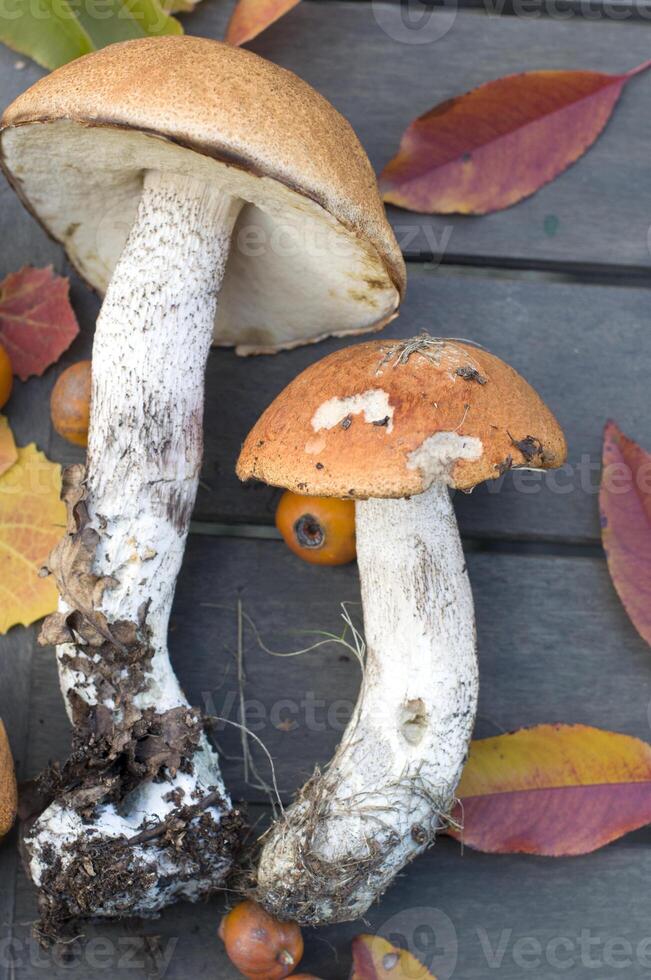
(212, 196)
(392, 424)
(312, 251)
(8, 791)
(372, 421)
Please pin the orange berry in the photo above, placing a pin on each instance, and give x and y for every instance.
(261, 947)
(70, 403)
(6, 377)
(320, 530)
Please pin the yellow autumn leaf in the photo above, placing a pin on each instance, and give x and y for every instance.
(32, 519)
(554, 790)
(8, 451)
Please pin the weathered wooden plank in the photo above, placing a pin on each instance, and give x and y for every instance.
(16, 651)
(558, 617)
(586, 349)
(590, 215)
(466, 915)
(388, 72)
(583, 348)
(527, 323)
(533, 9)
(544, 626)
(580, 9)
(555, 645)
(560, 337)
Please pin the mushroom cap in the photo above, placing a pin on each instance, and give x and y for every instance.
(8, 791)
(312, 246)
(388, 418)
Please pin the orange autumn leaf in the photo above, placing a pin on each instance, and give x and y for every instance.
(252, 17)
(487, 149)
(554, 790)
(37, 323)
(374, 958)
(8, 451)
(32, 520)
(625, 507)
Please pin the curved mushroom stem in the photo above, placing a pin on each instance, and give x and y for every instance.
(391, 783)
(140, 814)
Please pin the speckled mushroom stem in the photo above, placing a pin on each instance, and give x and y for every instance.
(142, 792)
(392, 781)
(145, 444)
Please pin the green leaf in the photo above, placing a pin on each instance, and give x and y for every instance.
(53, 32)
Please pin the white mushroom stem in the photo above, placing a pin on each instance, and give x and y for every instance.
(392, 781)
(145, 444)
(145, 450)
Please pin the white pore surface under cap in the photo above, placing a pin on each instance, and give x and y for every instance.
(294, 273)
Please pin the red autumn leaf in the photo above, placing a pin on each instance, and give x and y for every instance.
(488, 149)
(252, 17)
(625, 505)
(374, 958)
(37, 323)
(554, 790)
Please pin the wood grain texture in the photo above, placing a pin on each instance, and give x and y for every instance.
(587, 9)
(485, 909)
(539, 8)
(480, 907)
(590, 215)
(554, 645)
(16, 651)
(560, 337)
(557, 336)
